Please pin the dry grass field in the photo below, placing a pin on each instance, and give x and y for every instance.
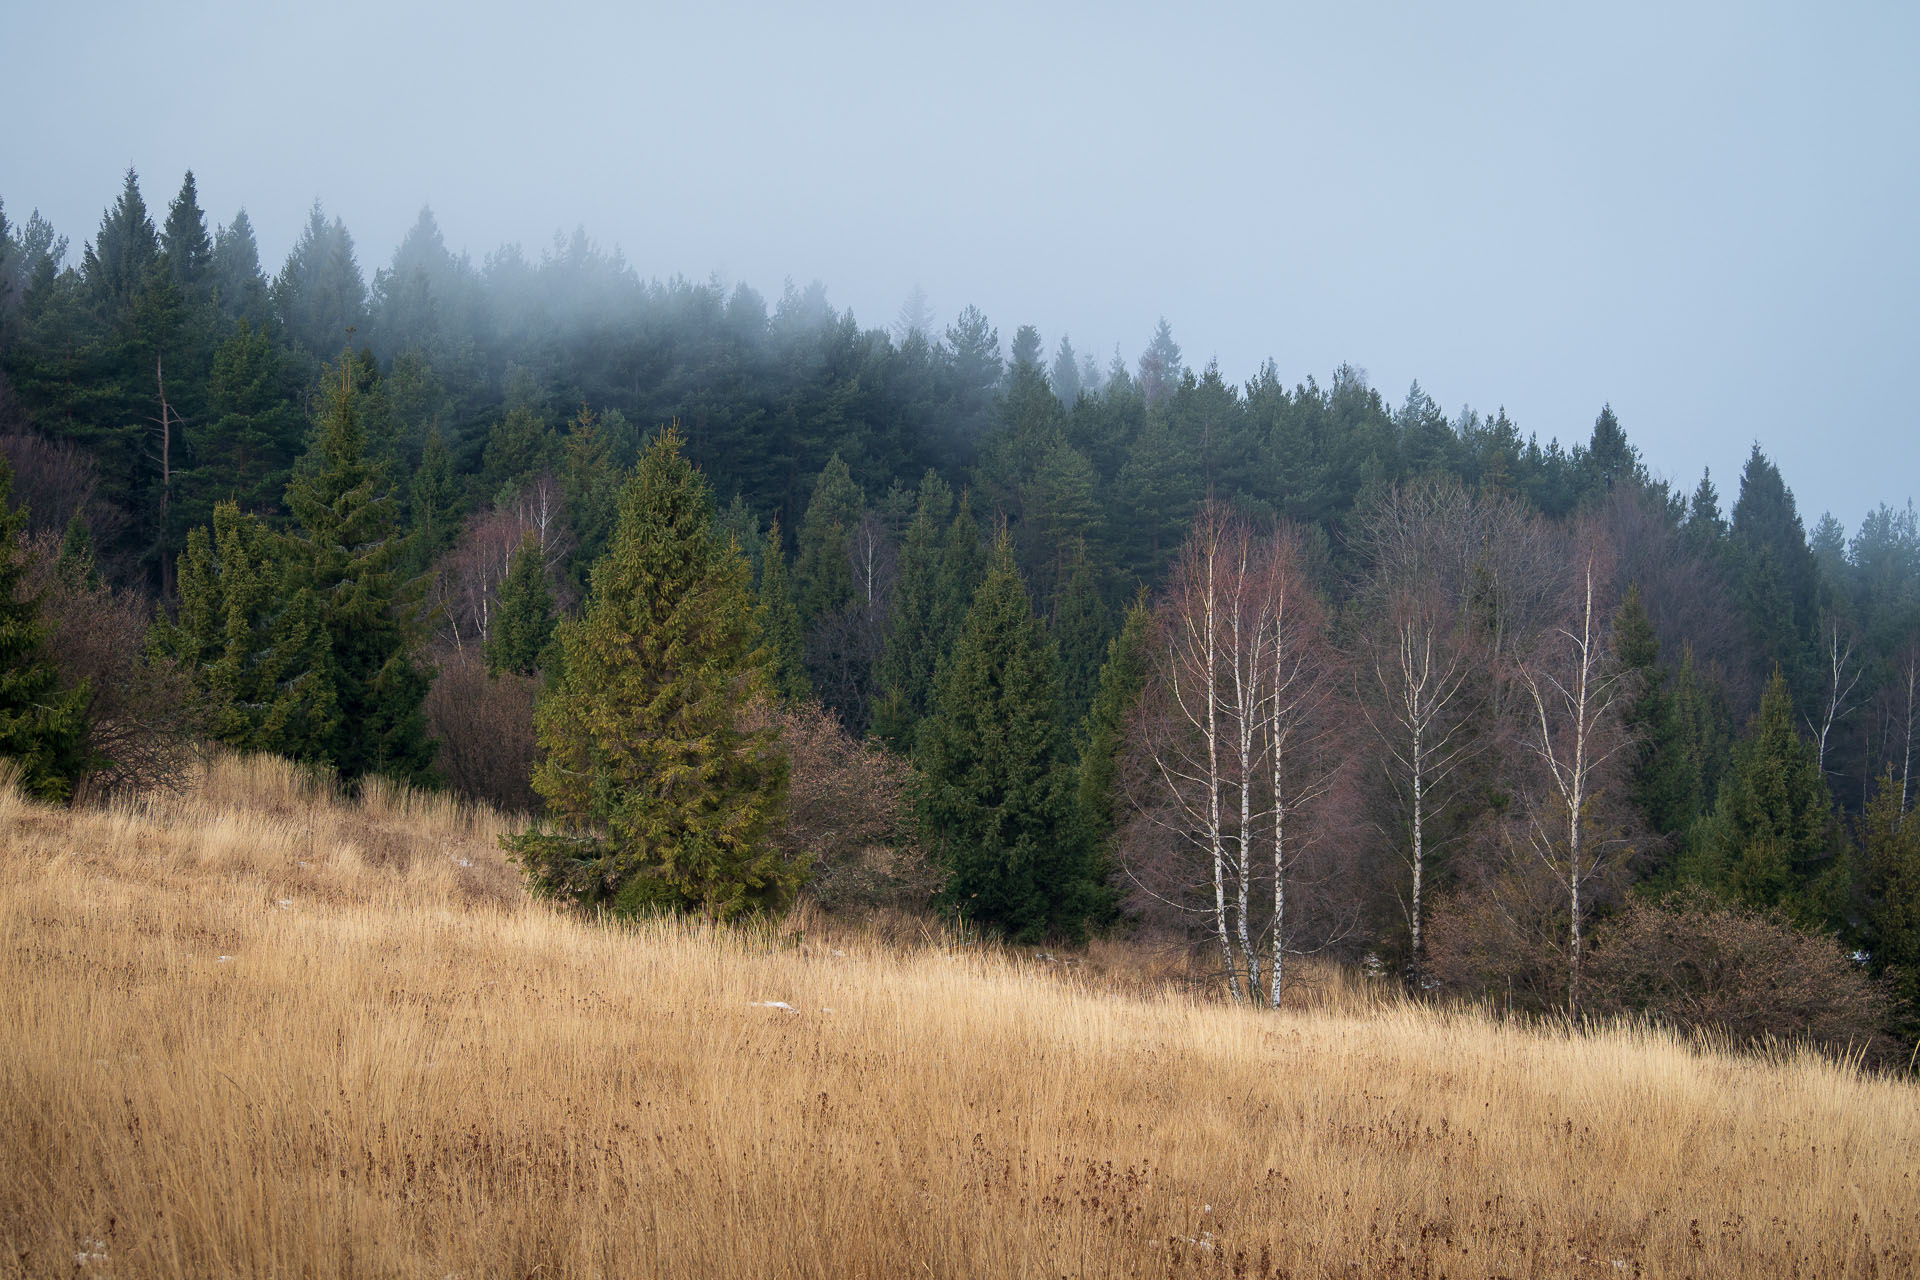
(253, 1031)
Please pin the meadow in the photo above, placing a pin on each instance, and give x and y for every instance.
(257, 1030)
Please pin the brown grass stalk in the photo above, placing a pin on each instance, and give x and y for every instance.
(254, 1030)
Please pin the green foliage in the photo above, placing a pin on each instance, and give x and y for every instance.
(1082, 626)
(781, 623)
(347, 550)
(1888, 888)
(995, 795)
(662, 800)
(520, 446)
(433, 501)
(517, 641)
(253, 645)
(1665, 782)
(43, 728)
(823, 578)
(1103, 733)
(1774, 838)
(914, 624)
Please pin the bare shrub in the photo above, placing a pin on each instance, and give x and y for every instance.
(1702, 965)
(55, 479)
(143, 729)
(847, 810)
(485, 727)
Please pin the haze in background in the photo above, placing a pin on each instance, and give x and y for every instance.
(1701, 213)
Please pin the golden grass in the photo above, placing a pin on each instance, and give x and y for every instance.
(256, 1032)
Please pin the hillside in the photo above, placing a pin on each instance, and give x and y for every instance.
(257, 1031)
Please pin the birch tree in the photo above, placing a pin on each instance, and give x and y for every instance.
(1840, 677)
(1418, 660)
(1572, 689)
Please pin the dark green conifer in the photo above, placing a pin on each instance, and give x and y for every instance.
(781, 622)
(347, 550)
(822, 575)
(913, 644)
(1775, 817)
(1103, 733)
(43, 728)
(251, 642)
(662, 801)
(517, 641)
(995, 796)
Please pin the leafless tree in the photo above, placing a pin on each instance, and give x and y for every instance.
(463, 589)
(1841, 677)
(1573, 687)
(1234, 744)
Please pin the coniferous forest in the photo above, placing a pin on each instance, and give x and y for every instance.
(741, 599)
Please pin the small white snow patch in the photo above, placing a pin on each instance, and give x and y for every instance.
(771, 1004)
(285, 903)
(462, 862)
(223, 959)
(91, 1251)
(825, 1009)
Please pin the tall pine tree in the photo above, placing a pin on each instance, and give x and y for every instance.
(347, 550)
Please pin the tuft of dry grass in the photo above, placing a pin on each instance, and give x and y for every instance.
(254, 1030)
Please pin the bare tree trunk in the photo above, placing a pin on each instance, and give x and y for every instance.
(1843, 675)
(1569, 707)
(166, 421)
(1906, 762)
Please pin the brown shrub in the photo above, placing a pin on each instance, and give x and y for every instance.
(1699, 964)
(143, 730)
(485, 727)
(847, 809)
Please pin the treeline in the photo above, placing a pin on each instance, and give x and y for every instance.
(1260, 669)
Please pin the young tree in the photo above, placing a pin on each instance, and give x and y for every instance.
(1573, 686)
(1774, 823)
(1420, 661)
(995, 796)
(1103, 733)
(43, 728)
(252, 643)
(525, 623)
(662, 799)
(782, 623)
(1889, 893)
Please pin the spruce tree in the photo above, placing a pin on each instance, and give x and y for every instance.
(1889, 896)
(1103, 733)
(662, 801)
(517, 641)
(1775, 817)
(913, 648)
(251, 641)
(782, 622)
(823, 578)
(1082, 626)
(348, 552)
(995, 796)
(43, 728)
(1664, 781)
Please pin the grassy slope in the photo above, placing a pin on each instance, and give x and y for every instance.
(403, 1068)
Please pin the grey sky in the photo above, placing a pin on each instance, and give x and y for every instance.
(1701, 212)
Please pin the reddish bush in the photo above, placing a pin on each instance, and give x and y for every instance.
(847, 810)
(485, 727)
(1697, 963)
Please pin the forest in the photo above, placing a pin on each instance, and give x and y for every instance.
(1053, 644)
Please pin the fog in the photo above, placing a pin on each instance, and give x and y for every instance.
(1700, 213)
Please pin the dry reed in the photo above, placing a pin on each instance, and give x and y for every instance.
(254, 1030)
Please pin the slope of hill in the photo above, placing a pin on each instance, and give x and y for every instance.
(257, 1031)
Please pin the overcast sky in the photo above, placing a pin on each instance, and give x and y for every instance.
(1705, 214)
